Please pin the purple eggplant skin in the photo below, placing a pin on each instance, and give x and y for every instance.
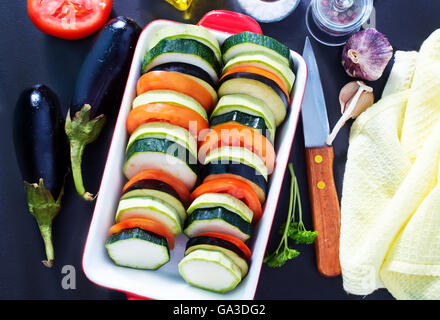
(42, 155)
(40, 142)
(100, 82)
(107, 62)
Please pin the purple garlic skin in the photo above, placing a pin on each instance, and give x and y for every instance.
(366, 54)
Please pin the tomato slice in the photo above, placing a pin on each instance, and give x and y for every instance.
(240, 244)
(69, 19)
(167, 112)
(167, 80)
(145, 224)
(236, 188)
(238, 135)
(159, 175)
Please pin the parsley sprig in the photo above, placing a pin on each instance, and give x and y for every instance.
(291, 229)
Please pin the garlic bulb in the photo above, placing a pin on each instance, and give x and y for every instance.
(366, 54)
(355, 97)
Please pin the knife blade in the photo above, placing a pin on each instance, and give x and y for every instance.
(319, 159)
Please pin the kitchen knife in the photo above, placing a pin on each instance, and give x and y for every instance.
(319, 158)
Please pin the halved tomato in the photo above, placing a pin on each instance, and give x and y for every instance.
(69, 19)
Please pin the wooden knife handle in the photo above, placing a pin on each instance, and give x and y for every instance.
(325, 209)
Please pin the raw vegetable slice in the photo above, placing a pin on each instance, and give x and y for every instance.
(233, 134)
(248, 42)
(216, 244)
(274, 79)
(231, 169)
(170, 97)
(141, 191)
(254, 86)
(217, 219)
(147, 225)
(224, 200)
(182, 50)
(240, 244)
(138, 249)
(225, 155)
(187, 69)
(192, 86)
(165, 112)
(236, 188)
(161, 154)
(163, 130)
(261, 72)
(248, 105)
(149, 208)
(250, 121)
(210, 270)
(165, 177)
(266, 62)
(188, 31)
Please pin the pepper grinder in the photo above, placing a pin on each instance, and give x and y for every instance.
(332, 22)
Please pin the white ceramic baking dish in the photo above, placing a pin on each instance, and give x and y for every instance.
(166, 283)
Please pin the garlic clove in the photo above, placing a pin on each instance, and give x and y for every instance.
(366, 54)
(355, 97)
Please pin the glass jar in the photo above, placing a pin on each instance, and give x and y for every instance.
(332, 22)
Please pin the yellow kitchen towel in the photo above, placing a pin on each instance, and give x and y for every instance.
(390, 184)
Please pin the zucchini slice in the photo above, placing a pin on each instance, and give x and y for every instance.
(186, 68)
(159, 190)
(234, 84)
(224, 200)
(172, 97)
(245, 104)
(217, 219)
(248, 42)
(250, 121)
(161, 154)
(138, 248)
(216, 244)
(164, 130)
(182, 50)
(149, 208)
(188, 31)
(243, 155)
(210, 270)
(266, 62)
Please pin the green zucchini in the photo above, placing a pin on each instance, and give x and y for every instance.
(217, 219)
(166, 197)
(182, 50)
(245, 104)
(163, 130)
(161, 154)
(210, 270)
(238, 155)
(188, 31)
(213, 200)
(138, 248)
(216, 244)
(264, 61)
(149, 207)
(249, 42)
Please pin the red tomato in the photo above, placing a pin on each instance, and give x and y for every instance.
(69, 19)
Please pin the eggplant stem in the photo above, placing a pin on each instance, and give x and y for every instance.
(44, 208)
(46, 233)
(81, 130)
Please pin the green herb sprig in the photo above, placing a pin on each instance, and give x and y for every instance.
(291, 229)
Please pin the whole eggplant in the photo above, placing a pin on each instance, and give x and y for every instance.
(42, 155)
(101, 78)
